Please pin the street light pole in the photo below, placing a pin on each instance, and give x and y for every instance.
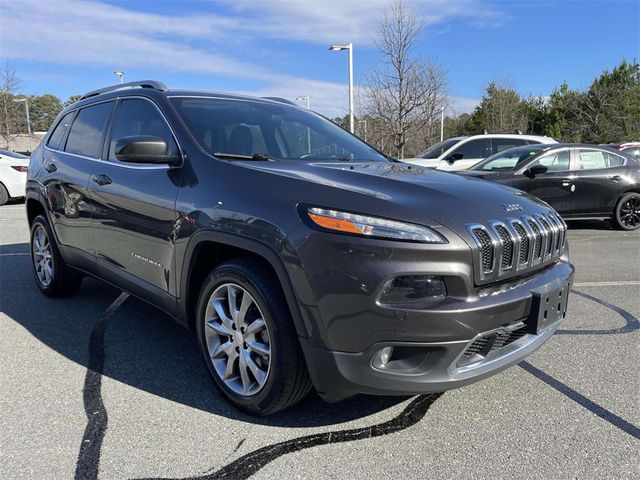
(120, 74)
(441, 123)
(307, 98)
(349, 48)
(26, 107)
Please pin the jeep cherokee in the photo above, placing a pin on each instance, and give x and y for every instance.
(299, 255)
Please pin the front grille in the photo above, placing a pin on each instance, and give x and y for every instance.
(516, 245)
(489, 344)
(507, 244)
(486, 249)
(524, 243)
(537, 246)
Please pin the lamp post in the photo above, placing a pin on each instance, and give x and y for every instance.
(306, 97)
(119, 74)
(441, 123)
(26, 107)
(349, 48)
(365, 129)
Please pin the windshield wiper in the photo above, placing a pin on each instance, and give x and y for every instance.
(237, 156)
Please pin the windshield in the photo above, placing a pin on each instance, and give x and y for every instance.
(507, 160)
(247, 129)
(439, 148)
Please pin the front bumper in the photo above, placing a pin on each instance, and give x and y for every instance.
(348, 330)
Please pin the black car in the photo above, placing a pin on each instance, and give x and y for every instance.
(579, 181)
(298, 254)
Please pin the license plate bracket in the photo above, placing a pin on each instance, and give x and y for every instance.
(549, 305)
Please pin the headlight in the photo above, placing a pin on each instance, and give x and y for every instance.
(365, 225)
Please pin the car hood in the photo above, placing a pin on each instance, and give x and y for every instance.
(405, 192)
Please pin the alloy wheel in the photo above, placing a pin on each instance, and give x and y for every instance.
(42, 256)
(630, 212)
(237, 339)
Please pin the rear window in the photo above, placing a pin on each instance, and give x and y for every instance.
(58, 133)
(85, 136)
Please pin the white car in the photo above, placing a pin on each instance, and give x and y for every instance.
(460, 153)
(13, 175)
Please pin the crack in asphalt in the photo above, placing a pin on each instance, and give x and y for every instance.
(248, 464)
(88, 460)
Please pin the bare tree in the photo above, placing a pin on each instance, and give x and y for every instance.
(403, 91)
(9, 118)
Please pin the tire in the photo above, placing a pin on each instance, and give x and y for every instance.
(626, 216)
(229, 341)
(53, 277)
(4, 195)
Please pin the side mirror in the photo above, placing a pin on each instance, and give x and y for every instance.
(535, 170)
(454, 156)
(144, 149)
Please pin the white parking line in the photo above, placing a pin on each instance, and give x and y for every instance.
(619, 283)
(13, 254)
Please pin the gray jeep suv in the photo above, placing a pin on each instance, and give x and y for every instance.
(300, 256)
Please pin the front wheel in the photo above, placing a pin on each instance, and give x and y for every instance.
(627, 213)
(248, 340)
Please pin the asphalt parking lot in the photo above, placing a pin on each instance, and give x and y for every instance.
(103, 385)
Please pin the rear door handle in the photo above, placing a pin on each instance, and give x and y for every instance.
(51, 168)
(566, 183)
(101, 180)
(616, 178)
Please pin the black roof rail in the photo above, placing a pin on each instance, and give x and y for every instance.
(154, 84)
(280, 99)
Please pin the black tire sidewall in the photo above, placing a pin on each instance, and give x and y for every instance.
(4, 195)
(261, 402)
(617, 218)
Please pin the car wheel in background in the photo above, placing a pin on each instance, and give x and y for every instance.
(627, 213)
(248, 340)
(4, 195)
(52, 276)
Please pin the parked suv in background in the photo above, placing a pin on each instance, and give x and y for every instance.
(299, 254)
(460, 153)
(13, 175)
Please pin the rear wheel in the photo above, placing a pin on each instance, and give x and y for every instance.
(53, 277)
(248, 340)
(627, 213)
(4, 195)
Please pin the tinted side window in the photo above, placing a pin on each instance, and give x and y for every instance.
(58, 133)
(615, 160)
(139, 117)
(478, 148)
(500, 144)
(85, 136)
(592, 159)
(555, 162)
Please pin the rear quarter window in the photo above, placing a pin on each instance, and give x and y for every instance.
(58, 132)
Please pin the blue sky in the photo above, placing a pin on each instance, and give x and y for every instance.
(279, 47)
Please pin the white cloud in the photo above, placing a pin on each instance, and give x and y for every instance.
(88, 32)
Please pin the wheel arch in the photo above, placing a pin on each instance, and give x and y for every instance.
(208, 248)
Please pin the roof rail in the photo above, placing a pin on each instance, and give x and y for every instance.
(154, 84)
(280, 99)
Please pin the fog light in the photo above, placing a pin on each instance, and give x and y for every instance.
(385, 355)
(413, 291)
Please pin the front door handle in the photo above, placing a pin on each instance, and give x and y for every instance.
(101, 180)
(616, 178)
(566, 183)
(51, 168)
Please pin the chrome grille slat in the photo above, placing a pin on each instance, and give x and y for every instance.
(516, 245)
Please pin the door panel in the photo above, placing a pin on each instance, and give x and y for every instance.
(554, 187)
(69, 159)
(135, 221)
(599, 180)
